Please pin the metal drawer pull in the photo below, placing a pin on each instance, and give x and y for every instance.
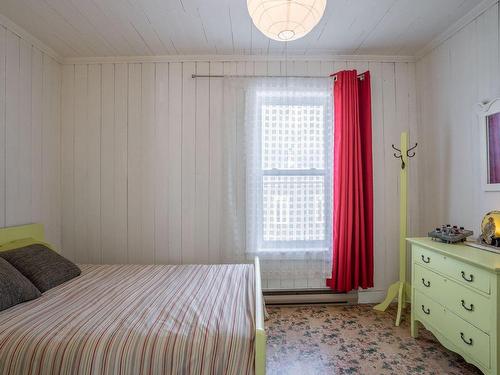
(468, 342)
(471, 308)
(470, 279)
(425, 261)
(428, 311)
(426, 284)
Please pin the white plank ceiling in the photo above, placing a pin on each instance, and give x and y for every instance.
(88, 28)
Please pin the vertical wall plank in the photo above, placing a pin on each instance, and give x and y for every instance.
(162, 162)
(402, 81)
(202, 167)
(379, 166)
(51, 132)
(241, 67)
(56, 148)
(12, 128)
(93, 160)
(120, 242)
(327, 68)
(81, 180)
(68, 162)
(147, 154)
(274, 68)
(36, 135)
(175, 162)
(216, 87)
(107, 150)
(260, 68)
(299, 68)
(313, 68)
(45, 139)
(23, 209)
(134, 164)
(339, 65)
(414, 177)
(188, 157)
(391, 190)
(46, 151)
(359, 66)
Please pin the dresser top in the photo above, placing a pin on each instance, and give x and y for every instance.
(468, 254)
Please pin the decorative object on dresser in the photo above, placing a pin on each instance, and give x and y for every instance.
(489, 114)
(450, 234)
(455, 296)
(490, 229)
(489, 239)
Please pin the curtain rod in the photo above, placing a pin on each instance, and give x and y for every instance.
(248, 76)
(334, 76)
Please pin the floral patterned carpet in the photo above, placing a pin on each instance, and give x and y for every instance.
(338, 340)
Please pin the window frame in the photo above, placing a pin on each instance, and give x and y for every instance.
(314, 97)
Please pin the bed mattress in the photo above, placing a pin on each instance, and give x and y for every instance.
(133, 319)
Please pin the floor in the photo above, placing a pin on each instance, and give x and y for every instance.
(353, 340)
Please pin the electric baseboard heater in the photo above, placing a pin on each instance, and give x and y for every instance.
(308, 296)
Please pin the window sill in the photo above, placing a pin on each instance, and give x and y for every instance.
(293, 253)
(293, 249)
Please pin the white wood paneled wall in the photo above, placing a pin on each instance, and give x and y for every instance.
(453, 78)
(30, 128)
(142, 159)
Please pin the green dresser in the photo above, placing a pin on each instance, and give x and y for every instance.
(455, 295)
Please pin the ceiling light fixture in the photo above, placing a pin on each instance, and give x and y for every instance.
(285, 20)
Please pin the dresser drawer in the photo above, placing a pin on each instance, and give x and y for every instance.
(461, 272)
(467, 274)
(428, 310)
(426, 257)
(468, 338)
(469, 305)
(429, 282)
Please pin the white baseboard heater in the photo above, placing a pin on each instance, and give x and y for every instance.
(308, 296)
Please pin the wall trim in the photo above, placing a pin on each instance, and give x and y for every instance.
(35, 42)
(222, 58)
(456, 27)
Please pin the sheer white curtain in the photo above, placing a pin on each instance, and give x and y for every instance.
(277, 177)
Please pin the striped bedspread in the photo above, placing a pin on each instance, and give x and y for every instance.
(136, 320)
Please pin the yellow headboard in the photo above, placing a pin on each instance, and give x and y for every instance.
(10, 234)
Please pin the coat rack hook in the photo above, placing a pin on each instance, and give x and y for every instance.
(410, 153)
(399, 155)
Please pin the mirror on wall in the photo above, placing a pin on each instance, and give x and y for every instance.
(490, 144)
(493, 143)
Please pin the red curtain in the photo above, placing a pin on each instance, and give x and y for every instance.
(352, 183)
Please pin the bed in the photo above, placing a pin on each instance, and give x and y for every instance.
(138, 319)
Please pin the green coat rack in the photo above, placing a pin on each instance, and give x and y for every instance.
(401, 288)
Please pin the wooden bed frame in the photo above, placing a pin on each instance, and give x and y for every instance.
(36, 231)
(260, 333)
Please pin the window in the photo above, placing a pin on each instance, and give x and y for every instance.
(294, 172)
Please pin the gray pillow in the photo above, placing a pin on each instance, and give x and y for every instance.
(42, 266)
(14, 287)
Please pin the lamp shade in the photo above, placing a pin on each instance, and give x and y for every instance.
(285, 20)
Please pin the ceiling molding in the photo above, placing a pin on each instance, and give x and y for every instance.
(456, 27)
(222, 58)
(23, 34)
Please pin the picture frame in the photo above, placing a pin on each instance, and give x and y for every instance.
(489, 123)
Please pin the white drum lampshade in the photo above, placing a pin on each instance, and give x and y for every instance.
(285, 20)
